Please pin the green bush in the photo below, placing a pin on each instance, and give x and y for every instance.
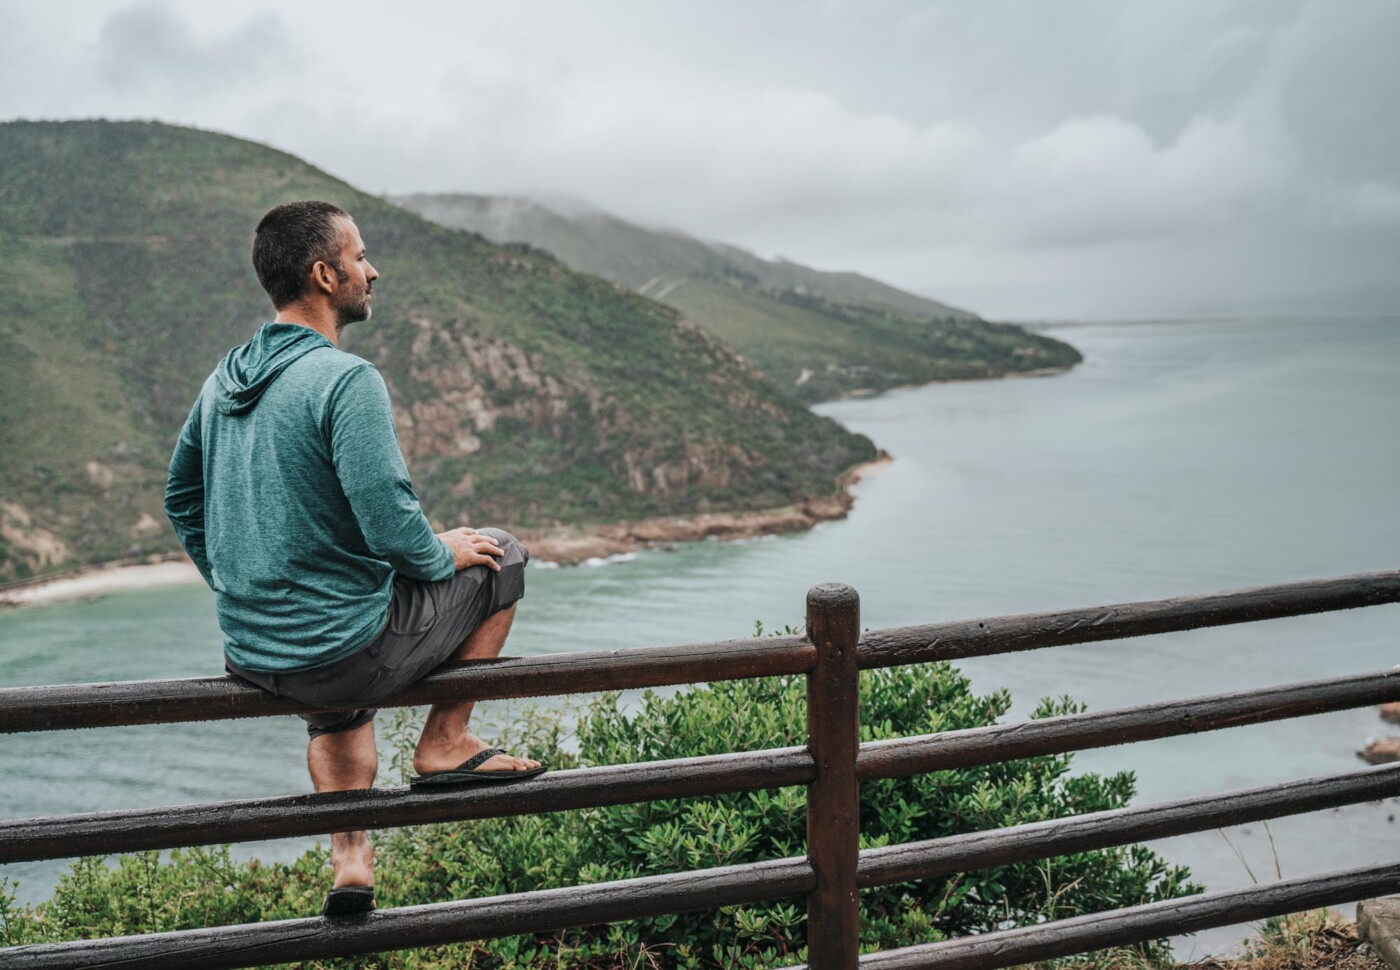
(202, 887)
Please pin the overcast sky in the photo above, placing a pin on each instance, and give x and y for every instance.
(1029, 159)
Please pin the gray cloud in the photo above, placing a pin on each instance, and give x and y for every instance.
(1103, 156)
(150, 45)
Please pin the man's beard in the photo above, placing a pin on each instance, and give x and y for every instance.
(354, 309)
(348, 313)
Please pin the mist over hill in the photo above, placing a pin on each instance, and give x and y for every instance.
(526, 394)
(818, 334)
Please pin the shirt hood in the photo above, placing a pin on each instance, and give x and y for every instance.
(249, 370)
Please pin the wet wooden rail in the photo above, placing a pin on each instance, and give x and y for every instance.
(831, 766)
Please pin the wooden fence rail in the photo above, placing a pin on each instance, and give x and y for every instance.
(1100, 729)
(832, 766)
(165, 827)
(433, 924)
(550, 910)
(215, 698)
(1122, 927)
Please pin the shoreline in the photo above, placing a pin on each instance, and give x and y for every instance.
(578, 544)
(867, 392)
(99, 579)
(564, 547)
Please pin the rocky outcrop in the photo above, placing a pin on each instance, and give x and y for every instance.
(39, 548)
(575, 545)
(466, 384)
(568, 546)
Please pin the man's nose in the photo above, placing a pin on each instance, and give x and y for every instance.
(373, 273)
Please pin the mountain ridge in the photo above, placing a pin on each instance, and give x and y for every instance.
(819, 334)
(501, 214)
(526, 394)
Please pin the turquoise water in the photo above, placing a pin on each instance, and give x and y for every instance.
(1180, 458)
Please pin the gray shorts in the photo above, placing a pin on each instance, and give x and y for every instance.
(427, 624)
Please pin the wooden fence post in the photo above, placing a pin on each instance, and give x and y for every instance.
(833, 800)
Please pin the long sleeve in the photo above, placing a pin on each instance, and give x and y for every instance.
(184, 492)
(365, 450)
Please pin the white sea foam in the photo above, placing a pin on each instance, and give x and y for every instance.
(605, 560)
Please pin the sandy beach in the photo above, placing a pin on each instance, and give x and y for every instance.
(101, 580)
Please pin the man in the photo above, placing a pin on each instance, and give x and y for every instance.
(288, 490)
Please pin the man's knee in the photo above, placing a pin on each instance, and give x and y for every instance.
(509, 580)
(336, 722)
(514, 550)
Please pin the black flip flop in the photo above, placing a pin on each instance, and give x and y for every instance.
(467, 774)
(349, 901)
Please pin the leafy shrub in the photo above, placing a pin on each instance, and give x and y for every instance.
(200, 887)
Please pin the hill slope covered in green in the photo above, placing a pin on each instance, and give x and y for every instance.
(526, 394)
(819, 335)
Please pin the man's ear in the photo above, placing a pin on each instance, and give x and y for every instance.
(323, 276)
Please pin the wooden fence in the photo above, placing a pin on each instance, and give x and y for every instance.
(831, 766)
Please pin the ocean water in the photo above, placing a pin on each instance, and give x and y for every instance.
(1180, 458)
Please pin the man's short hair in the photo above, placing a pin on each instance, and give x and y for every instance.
(291, 239)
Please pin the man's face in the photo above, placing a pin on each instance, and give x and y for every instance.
(353, 294)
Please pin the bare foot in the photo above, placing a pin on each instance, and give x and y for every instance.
(446, 757)
(352, 857)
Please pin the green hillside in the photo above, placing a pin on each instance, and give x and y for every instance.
(526, 394)
(819, 335)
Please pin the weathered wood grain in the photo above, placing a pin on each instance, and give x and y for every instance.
(1033, 631)
(833, 800)
(244, 820)
(1099, 830)
(166, 827)
(212, 698)
(833, 765)
(317, 938)
(313, 939)
(1136, 924)
(1076, 732)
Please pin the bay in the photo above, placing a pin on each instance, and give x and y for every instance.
(1181, 457)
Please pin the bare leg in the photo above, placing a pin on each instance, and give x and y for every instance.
(446, 740)
(341, 762)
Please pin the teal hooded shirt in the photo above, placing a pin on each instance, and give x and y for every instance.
(288, 490)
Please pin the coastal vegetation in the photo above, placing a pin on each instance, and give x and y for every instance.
(818, 335)
(527, 395)
(151, 892)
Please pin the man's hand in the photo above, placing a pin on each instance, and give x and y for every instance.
(471, 548)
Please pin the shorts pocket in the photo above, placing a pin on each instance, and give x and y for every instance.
(415, 609)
